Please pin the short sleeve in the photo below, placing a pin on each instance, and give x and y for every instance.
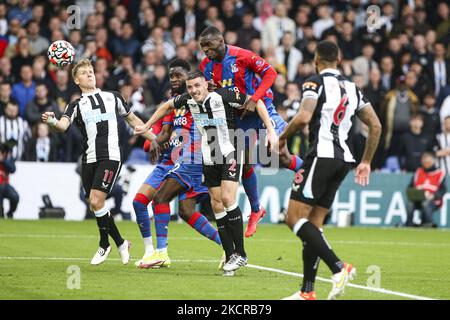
(122, 106)
(234, 98)
(181, 100)
(362, 101)
(71, 111)
(312, 87)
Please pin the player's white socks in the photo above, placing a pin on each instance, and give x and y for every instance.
(148, 244)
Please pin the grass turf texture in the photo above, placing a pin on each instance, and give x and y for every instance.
(35, 255)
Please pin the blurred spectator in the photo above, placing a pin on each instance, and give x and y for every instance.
(279, 90)
(3, 20)
(364, 63)
(374, 91)
(123, 71)
(22, 55)
(275, 26)
(75, 41)
(430, 116)
(40, 104)
(247, 31)
(157, 39)
(228, 16)
(14, 127)
(324, 22)
(348, 43)
(127, 44)
(21, 11)
(187, 19)
(7, 166)
(5, 96)
(337, 27)
(38, 43)
(387, 73)
(413, 144)
(423, 83)
(439, 68)
(13, 32)
(141, 98)
(429, 182)
(212, 15)
(443, 27)
(42, 147)
(147, 22)
(40, 73)
(24, 90)
(159, 84)
(256, 46)
(288, 55)
(442, 147)
(63, 90)
(398, 107)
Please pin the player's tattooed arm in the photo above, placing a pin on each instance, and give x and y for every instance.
(162, 111)
(368, 116)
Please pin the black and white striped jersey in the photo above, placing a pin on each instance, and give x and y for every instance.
(16, 129)
(330, 128)
(215, 121)
(443, 142)
(97, 114)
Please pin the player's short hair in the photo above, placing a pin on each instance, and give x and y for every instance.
(194, 74)
(211, 31)
(327, 51)
(180, 63)
(81, 64)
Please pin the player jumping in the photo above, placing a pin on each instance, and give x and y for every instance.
(233, 67)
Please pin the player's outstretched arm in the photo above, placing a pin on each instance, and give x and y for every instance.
(134, 121)
(368, 116)
(162, 111)
(60, 125)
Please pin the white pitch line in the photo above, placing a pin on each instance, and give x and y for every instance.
(380, 243)
(379, 290)
(288, 273)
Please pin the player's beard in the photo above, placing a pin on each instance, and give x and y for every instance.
(180, 90)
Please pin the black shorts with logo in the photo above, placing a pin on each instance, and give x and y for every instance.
(100, 175)
(321, 180)
(230, 170)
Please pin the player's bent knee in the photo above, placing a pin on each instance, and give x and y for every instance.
(228, 200)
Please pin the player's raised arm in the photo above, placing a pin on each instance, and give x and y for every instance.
(60, 125)
(162, 111)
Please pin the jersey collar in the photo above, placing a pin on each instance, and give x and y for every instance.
(330, 70)
(90, 93)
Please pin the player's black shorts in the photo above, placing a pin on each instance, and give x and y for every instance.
(321, 180)
(230, 170)
(100, 175)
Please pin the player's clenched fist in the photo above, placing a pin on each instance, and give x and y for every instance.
(46, 115)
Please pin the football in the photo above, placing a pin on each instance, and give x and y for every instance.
(60, 53)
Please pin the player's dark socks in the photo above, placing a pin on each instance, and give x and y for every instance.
(250, 184)
(114, 232)
(310, 234)
(236, 225)
(310, 266)
(225, 235)
(103, 228)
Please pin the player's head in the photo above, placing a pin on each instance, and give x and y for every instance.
(83, 75)
(178, 71)
(212, 43)
(197, 86)
(326, 56)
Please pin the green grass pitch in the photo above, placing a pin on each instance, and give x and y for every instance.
(35, 257)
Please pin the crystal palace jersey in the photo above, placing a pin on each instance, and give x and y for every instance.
(214, 119)
(338, 100)
(185, 141)
(240, 68)
(96, 114)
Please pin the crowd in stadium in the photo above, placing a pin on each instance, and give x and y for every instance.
(402, 64)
